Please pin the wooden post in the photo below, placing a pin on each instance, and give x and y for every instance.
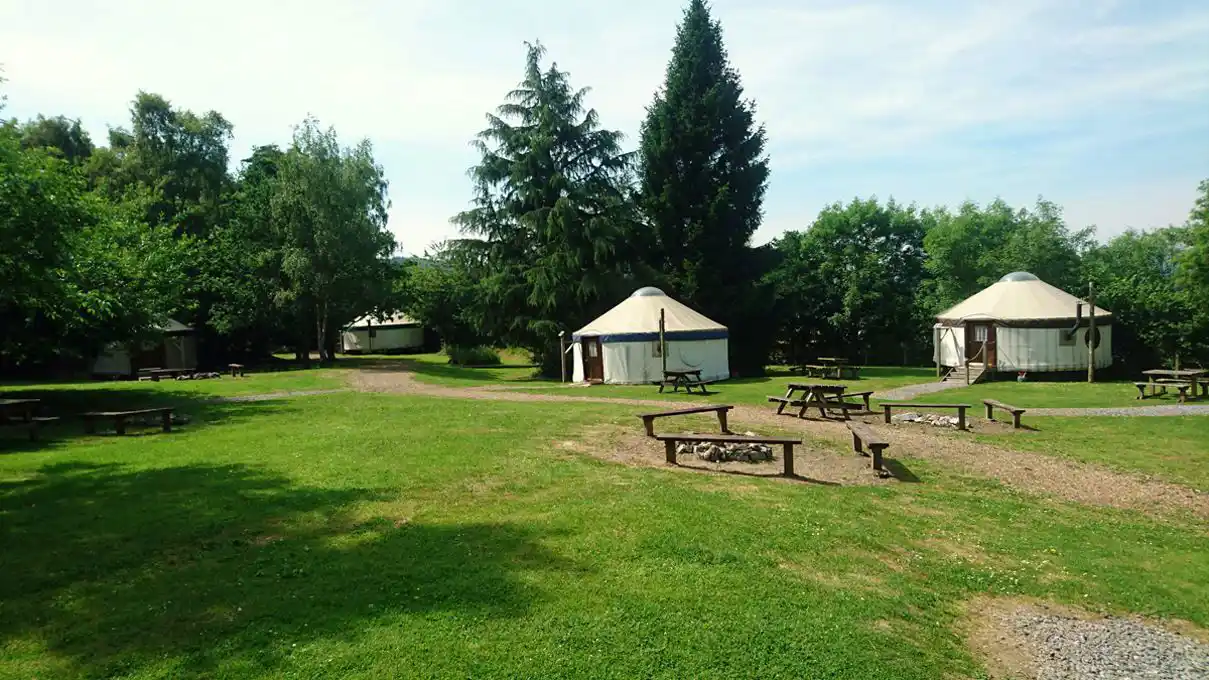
(669, 450)
(562, 356)
(1091, 333)
(662, 341)
(788, 456)
(961, 418)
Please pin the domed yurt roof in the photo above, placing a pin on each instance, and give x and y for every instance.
(398, 319)
(636, 318)
(1020, 297)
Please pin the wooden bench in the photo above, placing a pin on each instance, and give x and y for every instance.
(864, 436)
(1179, 385)
(648, 419)
(960, 408)
(992, 404)
(670, 441)
(237, 370)
(120, 418)
(863, 395)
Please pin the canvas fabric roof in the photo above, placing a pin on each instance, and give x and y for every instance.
(1018, 297)
(393, 320)
(637, 318)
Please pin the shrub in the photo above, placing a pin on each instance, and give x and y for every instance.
(473, 356)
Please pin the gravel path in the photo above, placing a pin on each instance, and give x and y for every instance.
(1066, 648)
(912, 391)
(1165, 410)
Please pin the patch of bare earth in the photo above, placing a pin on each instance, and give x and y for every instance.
(1003, 634)
(1037, 473)
(617, 444)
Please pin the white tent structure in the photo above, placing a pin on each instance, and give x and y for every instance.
(1021, 323)
(368, 335)
(622, 345)
(177, 348)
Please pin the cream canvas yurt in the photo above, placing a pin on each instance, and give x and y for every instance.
(1021, 323)
(622, 345)
(390, 334)
(176, 348)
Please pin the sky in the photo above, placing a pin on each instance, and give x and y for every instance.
(1101, 106)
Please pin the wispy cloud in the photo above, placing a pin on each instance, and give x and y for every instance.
(935, 101)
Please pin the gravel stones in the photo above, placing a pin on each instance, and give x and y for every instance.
(936, 420)
(1069, 648)
(726, 453)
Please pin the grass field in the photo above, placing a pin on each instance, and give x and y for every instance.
(356, 535)
(1035, 394)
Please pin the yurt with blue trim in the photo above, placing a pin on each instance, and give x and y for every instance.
(621, 346)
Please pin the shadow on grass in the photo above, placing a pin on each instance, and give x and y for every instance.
(114, 570)
(199, 409)
(900, 471)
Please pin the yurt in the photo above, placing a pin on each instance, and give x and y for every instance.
(622, 345)
(1021, 323)
(175, 348)
(395, 333)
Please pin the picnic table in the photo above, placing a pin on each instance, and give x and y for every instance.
(834, 368)
(817, 396)
(686, 378)
(1155, 377)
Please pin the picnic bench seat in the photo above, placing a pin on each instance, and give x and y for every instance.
(960, 408)
(1179, 385)
(992, 404)
(864, 436)
(120, 418)
(787, 444)
(863, 395)
(32, 425)
(648, 419)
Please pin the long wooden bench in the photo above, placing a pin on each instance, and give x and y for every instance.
(992, 404)
(863, 395)
(670, 441)
(120, 418)
(648, 419)
(1179, 385)
(960, 408)
(864, 436)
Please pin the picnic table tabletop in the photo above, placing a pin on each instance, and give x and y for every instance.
(682, 373)
(1182, 373)
(832, 360)
(815, 387)
(19, 402)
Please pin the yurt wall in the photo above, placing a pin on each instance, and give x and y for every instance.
(384, 339)
(634, 363)
(1049, 349)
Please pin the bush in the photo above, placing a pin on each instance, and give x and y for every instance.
(473, 356)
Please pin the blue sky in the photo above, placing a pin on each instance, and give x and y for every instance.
(1100, 105)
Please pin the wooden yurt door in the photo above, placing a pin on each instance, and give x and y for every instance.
(980, 343)
(593, 357)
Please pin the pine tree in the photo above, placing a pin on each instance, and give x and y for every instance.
(702, 181)
(551, 203)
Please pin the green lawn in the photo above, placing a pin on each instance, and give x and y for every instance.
(1171, 448)
(357, 535)
(1036, 394)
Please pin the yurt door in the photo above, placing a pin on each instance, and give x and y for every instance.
(980, 343)
(593, 359)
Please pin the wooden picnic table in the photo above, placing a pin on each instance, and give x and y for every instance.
(686, 378)
(833, 368)
(1195, 376)
(815, 396)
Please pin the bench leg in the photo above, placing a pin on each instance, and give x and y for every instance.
(1016, 421)
(649, 424)
(787, 454)
(780, 407)
(661, 385)
(669, 450)
(167, 422)
(990, 411)
(119, 425)
(856, 444)
(722, 422)
(867, 409)
(886, 413)
(877, 457)
(1141, 391)
(961, 419)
